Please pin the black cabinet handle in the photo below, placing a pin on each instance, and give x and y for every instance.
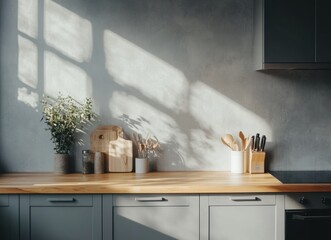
(55, 200)
(245, 199)
(150, 199)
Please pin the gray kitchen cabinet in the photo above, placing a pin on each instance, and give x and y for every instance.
(9, 217)
(323, 31)
(107, 216)
(289, 31)
(161, 217)
(237, 217)
(291, 34)
(54, 217)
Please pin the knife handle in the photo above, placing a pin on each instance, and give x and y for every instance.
(263, 142)
(253, 143)
(257, 142)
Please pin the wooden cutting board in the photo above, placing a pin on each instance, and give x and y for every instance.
(101, 137)
(109, 140)
(120, 155)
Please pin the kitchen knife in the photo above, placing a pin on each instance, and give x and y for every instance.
(263, 142)
(257, 142)
(253, 142)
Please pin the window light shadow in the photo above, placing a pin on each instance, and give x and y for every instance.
(212, 114)
(29, 98)
(132, 66)
(67, 32)
(27, 21)
(27, 62)
(65, 77)
(147, 94)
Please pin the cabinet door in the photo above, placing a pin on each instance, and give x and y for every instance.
(54, 217)
(156, 217)
(252, 217)
(323, 30)
(289, 31)
(9, 217)
(242, 222)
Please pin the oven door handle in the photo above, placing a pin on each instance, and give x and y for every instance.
(302, 218)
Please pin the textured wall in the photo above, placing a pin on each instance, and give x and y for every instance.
(179, 69)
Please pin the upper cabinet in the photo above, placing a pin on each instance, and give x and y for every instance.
(323, 31)
(290, 34)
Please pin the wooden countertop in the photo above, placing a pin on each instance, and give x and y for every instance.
(156, 182)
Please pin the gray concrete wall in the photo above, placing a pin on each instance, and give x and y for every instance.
(179, 69)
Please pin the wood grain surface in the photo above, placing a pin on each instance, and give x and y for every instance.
(154, 182)
(100, 139)
(120, 156)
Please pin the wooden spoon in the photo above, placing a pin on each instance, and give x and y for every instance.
(225, 143)
(228, 141)
(243, 140)
(231, 141)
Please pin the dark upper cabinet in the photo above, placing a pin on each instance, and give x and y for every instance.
(323, 30)
(292, 34)
(289, 31)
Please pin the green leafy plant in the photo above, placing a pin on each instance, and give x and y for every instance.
(64, 117)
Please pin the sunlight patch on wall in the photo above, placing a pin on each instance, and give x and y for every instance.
(209, 151)
(148, 118)
(220, 115)
(67, 32)
(132, 66)
(27, 62)
(27, 17)
(29, 98)
(145, 119)
(65, 77)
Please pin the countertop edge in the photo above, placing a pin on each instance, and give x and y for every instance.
(153, 183)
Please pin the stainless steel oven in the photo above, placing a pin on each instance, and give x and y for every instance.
(308, 216)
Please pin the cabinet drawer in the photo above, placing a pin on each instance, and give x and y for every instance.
(242, 200)
(151, 200)
(4, 200)
(61, 200)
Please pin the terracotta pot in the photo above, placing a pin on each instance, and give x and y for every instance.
(61, 163)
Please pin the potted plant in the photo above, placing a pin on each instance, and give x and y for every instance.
(64, 117)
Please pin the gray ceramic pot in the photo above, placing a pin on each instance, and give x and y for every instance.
(61, 163)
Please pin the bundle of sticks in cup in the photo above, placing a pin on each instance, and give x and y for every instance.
(145, 146)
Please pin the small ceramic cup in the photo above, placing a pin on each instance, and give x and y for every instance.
(237, 162)
(142, 165)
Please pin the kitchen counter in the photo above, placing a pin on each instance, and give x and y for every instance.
(155, 182)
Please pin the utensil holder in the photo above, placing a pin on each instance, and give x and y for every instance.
(257, 162)
(142, 165)
(247, 160)
(237, 162)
